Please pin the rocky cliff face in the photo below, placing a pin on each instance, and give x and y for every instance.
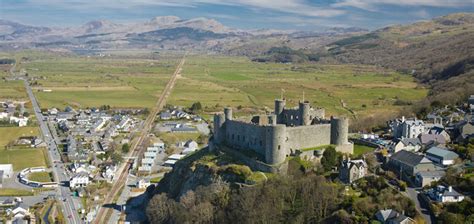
(203, 169)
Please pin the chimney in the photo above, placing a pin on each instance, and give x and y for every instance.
(403, 118)
(450, 188)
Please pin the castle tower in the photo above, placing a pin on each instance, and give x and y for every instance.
(279, 107)
(304, 108)
(228, 113)
(272, 119)
(339, 130)
(275, 150)
(219, 132)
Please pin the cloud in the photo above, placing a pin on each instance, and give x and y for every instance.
(371, 5)
(298, 7)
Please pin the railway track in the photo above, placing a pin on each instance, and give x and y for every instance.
(137, 147)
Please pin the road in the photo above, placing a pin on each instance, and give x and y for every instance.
(137, 148)
(420, 204)
(63, 191)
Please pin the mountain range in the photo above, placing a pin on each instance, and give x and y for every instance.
(165, 32)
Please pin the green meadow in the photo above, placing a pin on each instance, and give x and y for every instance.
(341, 89)
(217, 81)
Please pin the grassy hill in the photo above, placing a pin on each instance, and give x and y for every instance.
(439, 52)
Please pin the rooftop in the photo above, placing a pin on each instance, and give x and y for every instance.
(443, 153)
(409, 158)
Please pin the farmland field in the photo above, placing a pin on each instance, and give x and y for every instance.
(94, 81)
(8, 134)
(218, 81)
(23, 158)
(237, 81)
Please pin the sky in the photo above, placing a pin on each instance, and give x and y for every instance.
(242, 14)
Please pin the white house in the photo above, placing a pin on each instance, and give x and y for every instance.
(109, 172)
(7, 170)
(21, 121)
(143, 183)
(79, 180)
(445, 194)
(3, 115)
(19, 212)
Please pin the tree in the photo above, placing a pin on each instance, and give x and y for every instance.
(26, 114)
(329, 158)
(125, 148)
(116, 158)
(196, 107)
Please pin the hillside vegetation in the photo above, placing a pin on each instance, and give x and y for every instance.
(439, 53)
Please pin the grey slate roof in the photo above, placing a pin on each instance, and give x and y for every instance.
(427, 138)
(411, 141)
(407, 157)
(387, 214)
(430, 174)
(442, 153)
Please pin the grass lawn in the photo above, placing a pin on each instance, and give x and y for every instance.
(40, 177)
(9, 134)
(362, 149)
(23, 158)
(156, 179)
(14, 192)
(171, 138)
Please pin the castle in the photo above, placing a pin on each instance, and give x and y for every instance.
(276, 136)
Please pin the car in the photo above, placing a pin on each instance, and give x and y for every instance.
(69, 216)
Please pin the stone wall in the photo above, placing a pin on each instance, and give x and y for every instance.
(246, 136)
(303, 137)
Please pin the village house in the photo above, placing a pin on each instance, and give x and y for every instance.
(21, 121)
(390, 216)
(410, 163)
(408, 144)
(79, 180)
(352, 170)
(143, 183)
(441, 156)
(425, 178)
(445, 194)
(190, 146)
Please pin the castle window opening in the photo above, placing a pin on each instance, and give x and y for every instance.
(279, 147)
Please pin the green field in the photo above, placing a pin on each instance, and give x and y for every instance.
(23, 158)
(40, 177)
(8, 134)
(362, 149)
(237, 81)
(217, 81)
(15, 192)
(172, 138)
(93, 81)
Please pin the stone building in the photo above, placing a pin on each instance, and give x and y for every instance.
(407, 128)
(352, 170)
(276, 136)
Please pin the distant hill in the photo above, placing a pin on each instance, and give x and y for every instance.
(286, 55)
(439, 52)
(164, 32)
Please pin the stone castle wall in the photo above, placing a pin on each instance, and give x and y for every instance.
(303, 137)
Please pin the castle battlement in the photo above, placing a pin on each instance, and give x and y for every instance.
(277, 135)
